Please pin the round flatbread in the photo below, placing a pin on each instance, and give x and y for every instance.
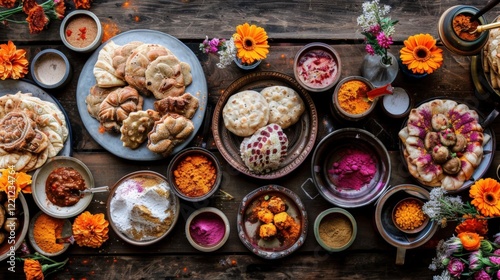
(285, 105)
(168, 76)
(245, 112)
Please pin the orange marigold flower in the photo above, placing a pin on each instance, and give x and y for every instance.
(33, 269)
(7, 3)
(421, 55)
(20, 180)
(28, 5)
(13, 62)
(479, 226)
(251, 43)
(82, 4)
(37, 19)
(90, 230)
(485, 194)
(59, 8)
(471, 241)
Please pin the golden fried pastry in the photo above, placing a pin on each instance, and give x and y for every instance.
(116, 107)
(120, 56)
(185, 105)
(276, 205)
(169, 131)
(167, 76)
(267, 230)
(95, 98)
(282, 220)
(104, 72)
(135, 128)
(265, 215)
(138, 62)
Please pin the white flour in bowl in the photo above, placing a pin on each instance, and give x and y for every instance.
(141, 208)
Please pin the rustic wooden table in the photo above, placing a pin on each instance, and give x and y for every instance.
(290, 25)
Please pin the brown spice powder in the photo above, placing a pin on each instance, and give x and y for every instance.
(335, 230)
(462, 26)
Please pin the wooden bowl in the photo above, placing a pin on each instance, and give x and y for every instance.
(413, 230)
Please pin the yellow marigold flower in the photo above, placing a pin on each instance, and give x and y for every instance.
(20, 180)
(90, 230)
(421, 55)
(13, 62)
(485, 194)
(33, 270)
(251, 43)
(471, 241)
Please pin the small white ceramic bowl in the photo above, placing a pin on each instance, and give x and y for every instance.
(335, 213)
(50, 69)
(66, 231)
(202, 215)
(76, 40)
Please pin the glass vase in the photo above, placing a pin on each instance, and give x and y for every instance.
(246, 66)
(377, 72)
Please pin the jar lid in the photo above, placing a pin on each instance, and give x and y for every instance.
(398, 104)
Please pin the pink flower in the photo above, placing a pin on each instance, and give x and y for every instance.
(384, 41)
(495, 259)
(369, 49)
(375, 29)
(455, 267)
(481, 275)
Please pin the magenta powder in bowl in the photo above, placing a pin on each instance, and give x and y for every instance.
(207, 229)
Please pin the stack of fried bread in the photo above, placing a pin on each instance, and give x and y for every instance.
(31, 131)
(125, 75)
(491, 58)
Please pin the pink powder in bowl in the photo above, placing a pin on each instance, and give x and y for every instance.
(355, 169)
(207, 229)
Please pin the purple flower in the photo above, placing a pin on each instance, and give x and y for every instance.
(495, 259)
(455, 267)
(497, 238)
(369, 49)
(375, 29)
(213, 45)
(452, 245)
(498, 274)
(475, 263)
(384, 41)
(481, 275)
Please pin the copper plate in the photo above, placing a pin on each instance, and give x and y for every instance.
(301, 136)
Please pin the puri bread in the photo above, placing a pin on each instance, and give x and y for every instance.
(185, 105)
(104, 72)
(120, 57)
(285, 105)
(167, 76)
(245, 112)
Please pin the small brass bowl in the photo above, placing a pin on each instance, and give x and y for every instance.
(409, 230)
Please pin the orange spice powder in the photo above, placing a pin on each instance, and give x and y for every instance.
(195, 175)
(45, 232)
(352, 97)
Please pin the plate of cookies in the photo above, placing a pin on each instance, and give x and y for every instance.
(39, 125)
(265, 124)
(142, 95)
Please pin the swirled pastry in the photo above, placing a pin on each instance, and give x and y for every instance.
(135, 128)
(185, 105)
(168, 76)
(443, 143)
(117, 106)
(138, 62)
(169, 131)
(95, 98)
(245, 112)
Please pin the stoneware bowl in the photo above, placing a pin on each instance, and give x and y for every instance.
(451, 40)
(119, 206)
(38, 187)
(337, 109)
(7, 250)
(77, 40)
(207, 229)
(66, 231)
(413, 230)
(307, 64)
(189, 152)
(51, 69)
(331, 151)
(341, 219)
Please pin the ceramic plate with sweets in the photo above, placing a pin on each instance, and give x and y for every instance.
(272, 222)
(301, 135)
(444, 144)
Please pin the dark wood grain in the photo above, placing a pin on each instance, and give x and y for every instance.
(290, 26)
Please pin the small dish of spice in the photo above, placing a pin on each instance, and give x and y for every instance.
(50, 69)
(317, 67)
(350, 99)
(44, 230)
(194, 174)
(408, 216)
(81, 31)
(207, 229)
(335, 229)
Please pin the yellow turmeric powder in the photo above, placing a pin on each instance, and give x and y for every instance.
(352, 97)
(409, 215)
(195, 175)
(45, 232)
